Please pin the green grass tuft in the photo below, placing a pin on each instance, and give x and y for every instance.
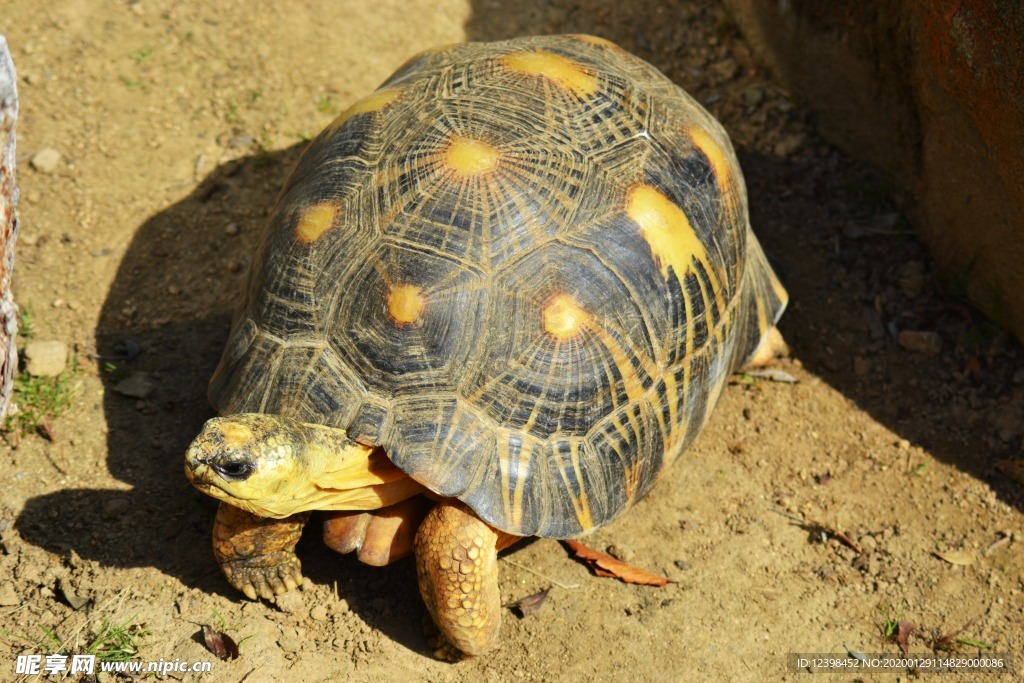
(113, 643)
(117, 643)
(41, 398)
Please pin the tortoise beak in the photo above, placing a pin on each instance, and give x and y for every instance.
(196, 470)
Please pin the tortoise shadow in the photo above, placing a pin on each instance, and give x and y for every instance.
(160, 328)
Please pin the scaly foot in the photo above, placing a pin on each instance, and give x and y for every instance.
(257, 554)
(457, 567)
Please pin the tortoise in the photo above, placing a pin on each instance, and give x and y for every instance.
(496, 298)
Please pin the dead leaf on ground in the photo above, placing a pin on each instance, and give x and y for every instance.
(905, 629)
(998, 543)
(816, 527)
(961, 558)
(950, 642)
(220, 643)
(45, 430)
(530, 604)
(605, 565)
(774, 375)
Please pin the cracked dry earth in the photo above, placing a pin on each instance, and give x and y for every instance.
(176, 122)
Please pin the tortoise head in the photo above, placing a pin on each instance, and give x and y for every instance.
(273, 466)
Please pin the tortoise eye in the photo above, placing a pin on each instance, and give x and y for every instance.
(236, 470)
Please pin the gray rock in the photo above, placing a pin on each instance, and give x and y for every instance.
(45, 357)
(112, 508)
(138, 385)
(45, 160)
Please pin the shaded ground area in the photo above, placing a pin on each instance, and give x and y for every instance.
(176, 123)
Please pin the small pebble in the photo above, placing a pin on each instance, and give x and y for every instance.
(45, 160)
(75, 601)
(788, 145)
(920, 342)
(112, 508)
(45, 357)
(138, 385)
(231, 229)
(238, 141)
(318, 613)
(127, 349)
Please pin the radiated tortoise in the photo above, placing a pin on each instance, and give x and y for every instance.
(503, 292)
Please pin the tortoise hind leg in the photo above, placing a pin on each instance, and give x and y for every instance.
(457, 567)
(257, 554)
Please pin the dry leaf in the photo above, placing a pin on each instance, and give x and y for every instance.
(604, 565)
(530, 604)
(45, 430)
(905, 629)
(773, 374)
(220, 644)
(962, 558)
(951, 642)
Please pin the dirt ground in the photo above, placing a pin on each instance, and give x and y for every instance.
(176, 122)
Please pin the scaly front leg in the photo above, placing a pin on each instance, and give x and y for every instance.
(457, 567)
(257, 554)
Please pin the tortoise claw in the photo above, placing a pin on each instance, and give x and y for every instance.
(440, 648)
(257, 555)
(265, 576)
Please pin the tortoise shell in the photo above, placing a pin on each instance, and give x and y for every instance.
(523, 268)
